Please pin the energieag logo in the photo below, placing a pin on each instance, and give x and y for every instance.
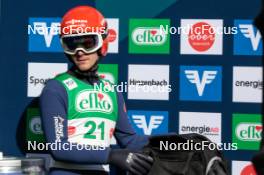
(206, 124)
(247, 84)
(204, 130)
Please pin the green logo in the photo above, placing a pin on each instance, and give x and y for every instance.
(34, 130)
(91, 100)
(247, 129)
(148, 36)
(109, 72)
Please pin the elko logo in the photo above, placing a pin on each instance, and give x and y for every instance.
(34, 130)
(200, 83)
(146, 36)
(243, 168)
(44, 35)
(247, 129)
(149, 36)
(248, 39)
(149, 122)
(91, 100)
(35, 125)
(202, 37)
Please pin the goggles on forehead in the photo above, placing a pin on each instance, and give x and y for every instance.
(86, 42)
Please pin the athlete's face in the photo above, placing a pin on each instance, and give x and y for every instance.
(84, 61)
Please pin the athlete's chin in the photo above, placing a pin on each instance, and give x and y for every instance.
(84, 67)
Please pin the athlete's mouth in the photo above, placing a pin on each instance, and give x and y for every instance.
(82, 59)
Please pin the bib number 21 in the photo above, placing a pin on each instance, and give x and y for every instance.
(92, 128)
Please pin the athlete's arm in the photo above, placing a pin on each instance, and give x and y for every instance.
(53, 103)
(124, 133)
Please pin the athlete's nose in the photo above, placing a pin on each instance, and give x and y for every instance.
(79, 53)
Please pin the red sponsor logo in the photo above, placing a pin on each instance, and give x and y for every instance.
(71, 130)
(248, 170)
(100, 96)
(258, 128)
(201, 36)
(111, 35)
(102, 76)
(153, 32)
(216, 130)
(111, 132)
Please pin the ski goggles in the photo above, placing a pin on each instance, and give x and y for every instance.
(86, 42)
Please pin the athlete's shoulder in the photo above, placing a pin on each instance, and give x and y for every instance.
(53, 85)
(53, 90)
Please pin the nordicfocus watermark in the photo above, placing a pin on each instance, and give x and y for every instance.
(190, 145)
(73, 26)
(59, 146)
(134, 85)
(199, 29)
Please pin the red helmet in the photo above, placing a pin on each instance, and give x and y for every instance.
(84, 28)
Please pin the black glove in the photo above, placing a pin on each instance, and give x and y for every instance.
(258, 161)
(135, 163)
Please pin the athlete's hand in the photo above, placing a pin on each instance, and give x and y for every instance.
(135, 163)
